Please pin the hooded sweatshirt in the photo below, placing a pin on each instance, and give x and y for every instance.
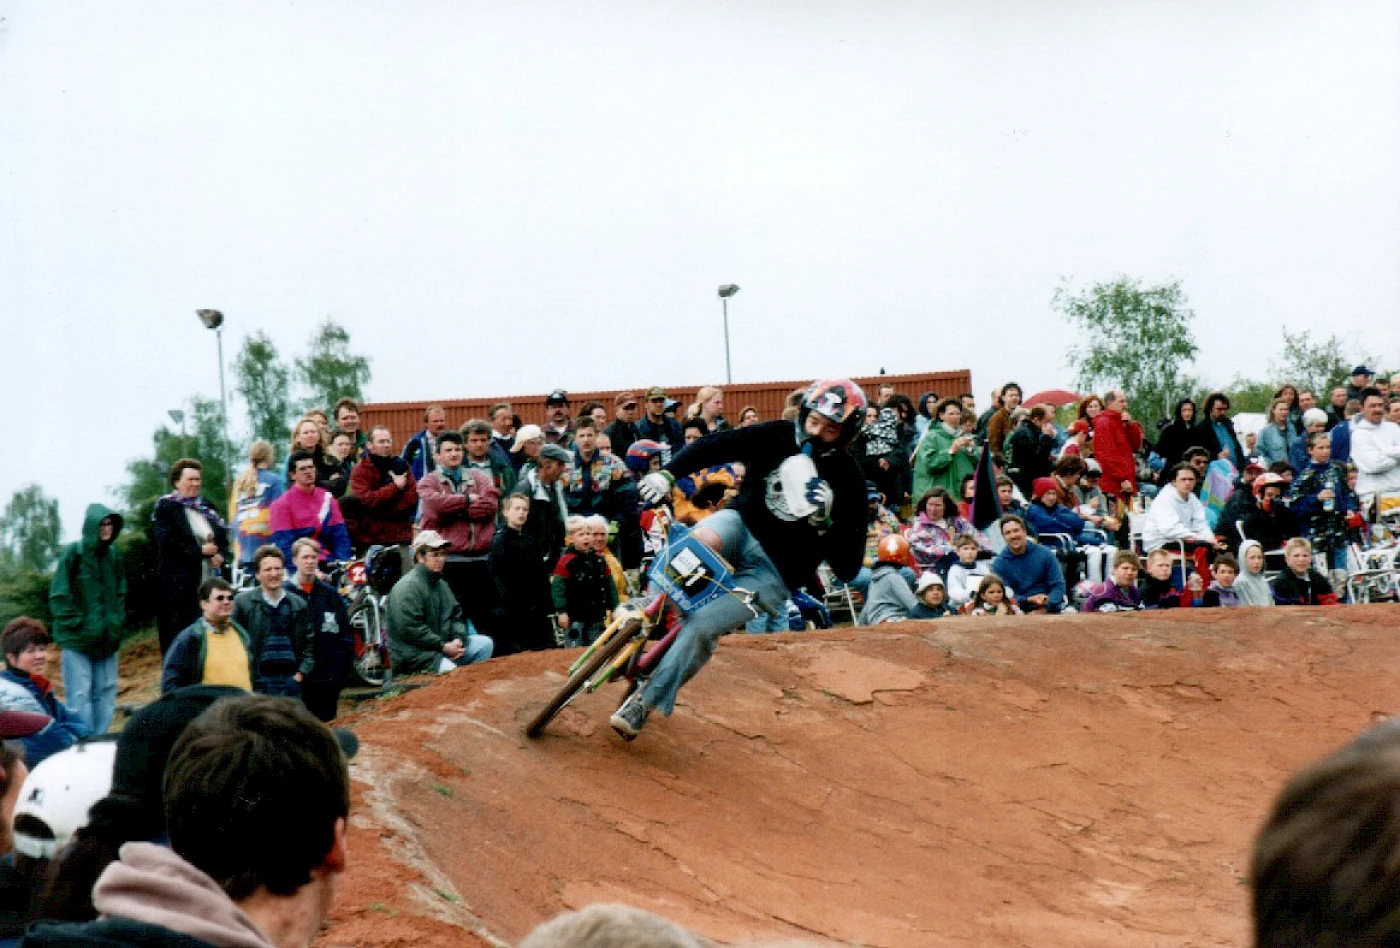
(151, 896)
(88, 592)
(889, 598)
(1252, 588)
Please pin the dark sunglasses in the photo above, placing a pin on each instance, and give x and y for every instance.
(630, 406)
(226, 597)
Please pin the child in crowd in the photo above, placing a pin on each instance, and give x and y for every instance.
(1118, 593)
(522, 582)
(1250, 585)
(1323, 503)
(1159, 587)
(584, 594)
(1300, 584)
(598, 525)
(993, 599)
(889, 599)
(967, 572)
(932, 596)
(1221, 591)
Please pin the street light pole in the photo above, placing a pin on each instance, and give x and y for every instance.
(214, 319)
(725, 291)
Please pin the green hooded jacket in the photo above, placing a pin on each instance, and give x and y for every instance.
(88, 593)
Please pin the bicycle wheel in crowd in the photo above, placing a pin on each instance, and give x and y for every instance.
(366, 621)
(580, 677)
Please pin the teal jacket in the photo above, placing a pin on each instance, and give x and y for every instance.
(87, 595)
(935, 467)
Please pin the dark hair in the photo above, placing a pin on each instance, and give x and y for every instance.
(950, 506)
(943, 403)
(206, 588)
(1039, 413)
(1183, 466)
(181, 466)
(1070, 466)
(349, 403)
(1010, 385)
(1371, 391)
(1196, 451)
(1228, 561)
(697, 423)
(1212, 398)
(902, 404)
(22, 632)
(1324, 870)
(267, 550)
(450, 437)
(1280, 467)
(253, 790)
(296, 457)
(1004, 519)
(586, 421)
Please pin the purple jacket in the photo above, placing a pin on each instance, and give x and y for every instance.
(1108, 596)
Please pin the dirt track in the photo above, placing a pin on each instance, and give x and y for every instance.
(1071, 781)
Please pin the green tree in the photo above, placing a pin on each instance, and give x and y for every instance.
(1251, 395)
(1137, 338)
(330, 371)
(262, 379)
(1318, 366)
(150, 476)
(29, 531)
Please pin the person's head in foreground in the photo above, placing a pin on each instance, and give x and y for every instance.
(610, 925)
(1326, 865)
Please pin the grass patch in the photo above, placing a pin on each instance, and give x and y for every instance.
(444, 789)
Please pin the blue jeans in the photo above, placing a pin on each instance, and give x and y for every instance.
(90, 688)
(700, 632)
(475, 648)
(766, 623)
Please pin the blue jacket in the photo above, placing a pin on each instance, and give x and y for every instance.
(1341, 442)
(1298, 455)
(21, 692)
(1061, 519)
(1035, 572)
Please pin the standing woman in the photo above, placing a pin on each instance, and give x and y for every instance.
(1177, 436)
(308, 435)
(253, 492)
(1276, 437)
(709, 408)
(191, 546)
(1289, 393)
(333, 642)
(945, 454)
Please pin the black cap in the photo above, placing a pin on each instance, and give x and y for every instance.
(557, 397)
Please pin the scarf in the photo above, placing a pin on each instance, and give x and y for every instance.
(200, 506)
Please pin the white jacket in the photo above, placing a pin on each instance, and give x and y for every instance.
(1171, 518)
(1375, 450)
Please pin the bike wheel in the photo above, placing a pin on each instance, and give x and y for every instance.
(371, 663)
(580, 677)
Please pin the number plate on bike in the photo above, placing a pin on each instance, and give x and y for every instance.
(690, 572)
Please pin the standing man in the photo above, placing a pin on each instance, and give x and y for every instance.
(1217, 433)
(595, 478)
(460, 502)
(557, 427)
(386, 495)
(347, 419)
(256, 797)
(212, 651)
(306, 510)
(622, 432)
(502, 419)
(657, 426)
(426, 630)
(1117, 439)
(1375, 450)
(1361, 377)
(544, 485)
(88, 600)
(278, 626)
(481, 455)
(419, 450)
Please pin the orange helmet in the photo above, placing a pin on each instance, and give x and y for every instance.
(894, 549)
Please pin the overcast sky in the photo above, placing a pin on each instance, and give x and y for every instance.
(501, 198)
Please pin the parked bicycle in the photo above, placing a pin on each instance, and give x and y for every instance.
(687, 574)
(364, 584)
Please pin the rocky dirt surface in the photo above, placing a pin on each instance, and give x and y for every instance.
(1071, 781)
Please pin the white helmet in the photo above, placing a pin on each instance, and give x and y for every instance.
(785, 488)
(57, 795)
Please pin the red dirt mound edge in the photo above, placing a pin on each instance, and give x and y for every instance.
(1049, 781)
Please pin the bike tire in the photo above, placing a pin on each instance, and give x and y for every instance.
(580, 677)
(371, 665)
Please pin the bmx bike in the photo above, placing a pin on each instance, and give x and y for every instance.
(687, 575)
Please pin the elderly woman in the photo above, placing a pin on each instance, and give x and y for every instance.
(945, 454)
(191, 545)
(526, 450)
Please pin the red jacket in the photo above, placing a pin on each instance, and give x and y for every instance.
(465, 515)
(1115, 441)
(380, 513)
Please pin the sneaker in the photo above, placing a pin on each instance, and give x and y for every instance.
(631, 717)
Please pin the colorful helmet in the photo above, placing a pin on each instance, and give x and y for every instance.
(641, 452)
(1269, 480)
(894, 549)
(839, 401)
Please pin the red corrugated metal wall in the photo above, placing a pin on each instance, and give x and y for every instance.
(406, 418)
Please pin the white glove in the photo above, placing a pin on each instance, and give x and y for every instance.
(820, 495)
(655, 487)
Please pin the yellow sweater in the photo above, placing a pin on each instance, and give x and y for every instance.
(225, 659)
